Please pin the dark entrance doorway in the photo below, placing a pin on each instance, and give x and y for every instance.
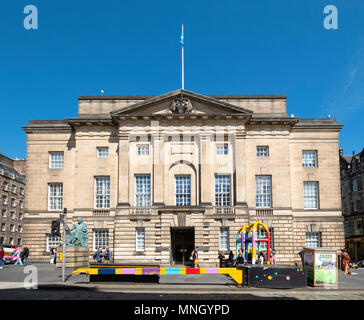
(182, 244)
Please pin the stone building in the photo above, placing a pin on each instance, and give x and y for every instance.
(154, 176)
(352, 192)
(12, 181)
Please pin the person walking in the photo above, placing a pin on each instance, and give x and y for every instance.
(25, 255)
(107, 255)
(195, 258)
(18, 257)
(2, 254)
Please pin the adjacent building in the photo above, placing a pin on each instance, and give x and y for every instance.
(352, 192)
(154, 176)
(12, 182)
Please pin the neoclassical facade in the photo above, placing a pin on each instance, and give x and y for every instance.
(154, 176)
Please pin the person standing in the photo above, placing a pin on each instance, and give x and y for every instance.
(25, 255)
(107, 255)
(240, 258)
(53, 255)
(97, 257)
(195, 258)
(2, 253)
(261, 258)
(222, 258)
(231, 258)
(18, 257)
(273, 258)
(345, 262)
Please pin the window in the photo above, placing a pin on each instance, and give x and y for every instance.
(222, 190)
(21, 204)
(346, 229)
(313, 240)
(19, 242)
(263, 234)
(262, 151)
(5, 186)
(355, 185)
(143, 149)
(55, 197)
(183, 190)
(53, 241)
(102, 152)
(142, 192)
(263, 191)
(343, 190)
(345, 210)
(358, 227)
(4, 200)
(310, 195)
(140, 239)
(3, 227)
(12, 215)
(2, 240)
(309, 158)
(14, 188)
(355, 205)
(56, 160)
(21, 191)
(12, 175)
(222, 149)
(3, 213)
(102, 192)
(11, 241)
(2, 170)
(101, 238)
(20, 229)
(224, 238)
(20, 216)
(13, 203)
(12, 228)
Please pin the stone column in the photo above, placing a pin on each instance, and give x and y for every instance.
(206, 173)
(158, 168)
(123, 182)
(240, 172)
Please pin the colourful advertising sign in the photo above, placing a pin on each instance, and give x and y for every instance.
(325, 268)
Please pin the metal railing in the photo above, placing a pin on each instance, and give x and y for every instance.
(224, 210)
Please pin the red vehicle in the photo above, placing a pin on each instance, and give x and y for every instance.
(11, 257)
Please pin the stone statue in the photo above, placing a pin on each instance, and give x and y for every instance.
(181, 106)
(78, 238)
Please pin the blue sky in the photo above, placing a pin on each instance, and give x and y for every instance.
(132, 47)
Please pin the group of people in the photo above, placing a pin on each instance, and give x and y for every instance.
(240, 259)
(101, 256)
(21, 256)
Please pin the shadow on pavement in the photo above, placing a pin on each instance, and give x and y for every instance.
(64, 292)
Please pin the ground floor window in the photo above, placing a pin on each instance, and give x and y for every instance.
(313, 239)
(101, 239)
(263, 245)
(224, 238)
(140, 239)
(19, 242)
(52, 241)
(2, 240)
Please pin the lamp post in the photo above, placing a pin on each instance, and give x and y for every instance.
(63, 218)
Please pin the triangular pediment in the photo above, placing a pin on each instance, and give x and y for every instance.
(181, 102)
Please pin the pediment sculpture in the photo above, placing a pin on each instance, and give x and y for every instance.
(181, 105)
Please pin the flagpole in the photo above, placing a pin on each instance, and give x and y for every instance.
(183, 63)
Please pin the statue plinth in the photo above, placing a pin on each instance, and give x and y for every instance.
(76, 257)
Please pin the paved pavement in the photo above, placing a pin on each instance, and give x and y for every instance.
(194, 287)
